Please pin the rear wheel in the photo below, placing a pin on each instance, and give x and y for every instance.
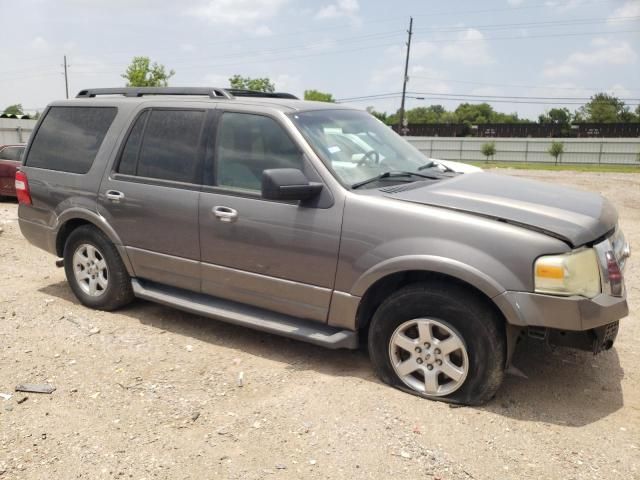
(439, 341)
(95, 270)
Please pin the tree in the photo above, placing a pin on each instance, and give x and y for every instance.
(15, 109)
(556, 149)
(142, 73)
(248, 83)
(488, 150)
(318, 96)
(474, 114)
(603, 108)
(430, 114)
(382, 116)
(557, 116)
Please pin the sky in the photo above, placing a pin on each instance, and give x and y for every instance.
(461, 51)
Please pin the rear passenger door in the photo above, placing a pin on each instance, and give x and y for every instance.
(276, 255)
(151, 195)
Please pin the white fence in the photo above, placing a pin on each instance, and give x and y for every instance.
(15, 130)
(576, 150)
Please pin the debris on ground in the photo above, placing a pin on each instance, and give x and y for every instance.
(241, 379)
(5, 396)
(35, 388)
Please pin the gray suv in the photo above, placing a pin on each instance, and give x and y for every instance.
(317, 222)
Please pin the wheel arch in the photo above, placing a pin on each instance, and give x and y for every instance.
(377, 284)
(74, 218)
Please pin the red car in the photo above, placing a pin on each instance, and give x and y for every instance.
(10, 160)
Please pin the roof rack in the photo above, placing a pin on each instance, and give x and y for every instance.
(211, 92)
(237, 92)
(141, 91)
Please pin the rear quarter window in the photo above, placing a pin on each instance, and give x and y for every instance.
(69, 138)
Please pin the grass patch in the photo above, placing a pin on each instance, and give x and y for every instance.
(576, 167)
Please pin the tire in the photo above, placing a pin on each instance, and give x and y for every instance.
(103, 268)
(446, 312)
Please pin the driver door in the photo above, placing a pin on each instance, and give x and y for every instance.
(271, 254)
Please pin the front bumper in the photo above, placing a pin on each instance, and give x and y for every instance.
(564, 313)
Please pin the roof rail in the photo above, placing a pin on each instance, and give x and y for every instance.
(238, 92)
(141, 91)
(211, 92)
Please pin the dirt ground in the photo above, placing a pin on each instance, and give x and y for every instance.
(151, 392)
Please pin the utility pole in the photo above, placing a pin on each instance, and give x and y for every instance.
(406, 77)
(66, 77)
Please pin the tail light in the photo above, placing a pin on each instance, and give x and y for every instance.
(22, 188)
(614, 274)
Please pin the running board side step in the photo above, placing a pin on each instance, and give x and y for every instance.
(246, 316)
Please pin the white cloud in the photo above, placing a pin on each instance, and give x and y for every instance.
(470, 49)
(421, 79)
(237, 13)
(563, 5)
(515, 3)
(187, 47)
(262, 31)
(630, 9)
(487, 91)
(217, 80)
(40, 44)
(341, 8)
(556, 71)
(288, 83)
(606, 52)
(603, 52)
(619, 91)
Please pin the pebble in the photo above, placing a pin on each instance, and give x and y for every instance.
(312, 462)
(189, 348)
(404, 454)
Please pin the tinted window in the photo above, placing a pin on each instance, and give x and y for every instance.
(129, 157)
(170, 145)
(11, 153)
(248, 144)
(70, 137)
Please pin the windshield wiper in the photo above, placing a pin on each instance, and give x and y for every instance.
(433, 164)
(394, 173)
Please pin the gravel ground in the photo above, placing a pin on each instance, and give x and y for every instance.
(151, 392)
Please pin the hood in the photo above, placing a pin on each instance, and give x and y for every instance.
(573, 216)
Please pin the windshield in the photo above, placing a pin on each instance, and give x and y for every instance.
(356, 146)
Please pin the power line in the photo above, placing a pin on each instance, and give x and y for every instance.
(531, 37)
(480, 98)
(546, 24)
(260, 56)
(537, 87)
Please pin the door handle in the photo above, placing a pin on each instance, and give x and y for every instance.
(225, 214)
(114, 195)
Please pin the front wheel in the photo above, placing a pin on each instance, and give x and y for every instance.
(439, 341)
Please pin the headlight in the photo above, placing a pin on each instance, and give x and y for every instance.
(574, 273)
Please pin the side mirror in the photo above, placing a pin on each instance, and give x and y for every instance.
(288, 184)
